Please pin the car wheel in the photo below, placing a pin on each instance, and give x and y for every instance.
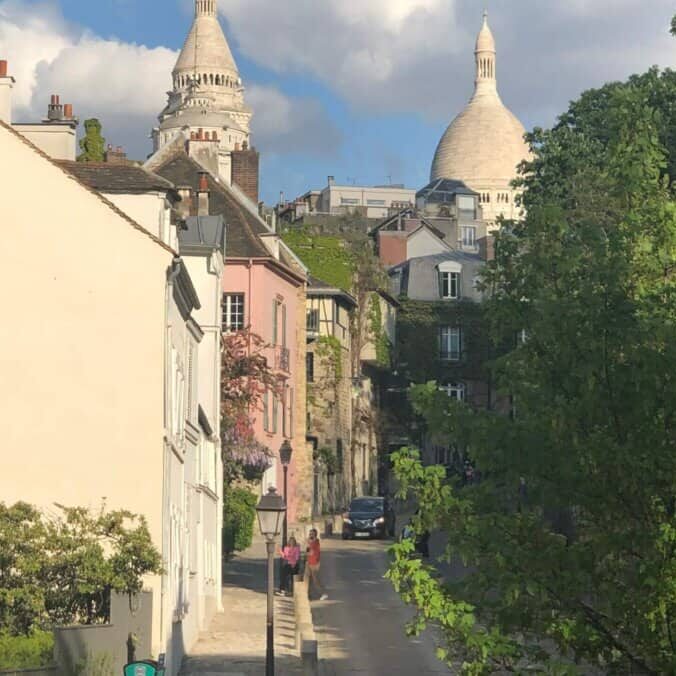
(346, 536)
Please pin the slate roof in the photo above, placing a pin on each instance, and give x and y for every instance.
(116, 178)
(202, 234)
(242, 226)
(441, 188)
(317, 287)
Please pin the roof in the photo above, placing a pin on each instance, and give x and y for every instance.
(206, 49)
(87, 187)
(202, 234)
(243, 227)
(317, 287)
(116, 178)
(440, 188)
(485, 41)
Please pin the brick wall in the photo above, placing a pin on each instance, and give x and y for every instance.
(245, 172)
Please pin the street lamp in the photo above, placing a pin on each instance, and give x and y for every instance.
(270, 509)
(285, 453)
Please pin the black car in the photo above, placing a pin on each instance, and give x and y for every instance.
(369, 517)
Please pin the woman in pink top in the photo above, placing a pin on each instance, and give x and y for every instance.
(290, 564)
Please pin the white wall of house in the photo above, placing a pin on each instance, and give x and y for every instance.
(151, 210)
(336, 199)
(56, 140)
(81, 347)
(424, 243)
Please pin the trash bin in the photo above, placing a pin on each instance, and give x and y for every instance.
(143, 668)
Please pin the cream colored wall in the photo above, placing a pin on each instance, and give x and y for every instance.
(57, 140)
(151, 210)
(81, 346)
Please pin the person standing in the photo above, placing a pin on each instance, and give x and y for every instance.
(290, 564)
(314, 555)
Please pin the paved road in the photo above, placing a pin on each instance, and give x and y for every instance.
(361, 626)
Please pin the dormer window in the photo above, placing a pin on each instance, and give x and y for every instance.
(450, 285)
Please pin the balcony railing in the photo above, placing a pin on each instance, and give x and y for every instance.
(283, 359)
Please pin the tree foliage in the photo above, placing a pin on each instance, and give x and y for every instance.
(92, 144)
(570, 538)
(61, 570)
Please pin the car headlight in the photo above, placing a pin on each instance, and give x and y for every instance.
(346, 520)
(378, 521)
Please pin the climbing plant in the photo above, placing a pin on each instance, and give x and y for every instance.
(92, 144)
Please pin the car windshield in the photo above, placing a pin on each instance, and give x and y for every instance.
(366, 504)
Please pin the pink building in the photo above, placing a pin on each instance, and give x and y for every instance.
(264, 290)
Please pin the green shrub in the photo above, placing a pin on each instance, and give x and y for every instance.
(26, 652)
(239, 514)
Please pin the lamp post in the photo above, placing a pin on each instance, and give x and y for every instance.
(270, 510)
(285, 453)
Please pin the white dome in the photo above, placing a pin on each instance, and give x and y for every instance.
(483, 145)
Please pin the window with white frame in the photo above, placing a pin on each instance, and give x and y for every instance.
(450, 285)
(450, 343)
(455, 391)
(233, 312)
(468, 233)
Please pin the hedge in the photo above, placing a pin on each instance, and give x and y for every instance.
(239, 514)
(26, 652)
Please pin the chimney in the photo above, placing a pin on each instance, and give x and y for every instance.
(6, 85)
(115, 155)
(331, 180)
(487, 247)
(55, 109)
(203, 194)
(245, 169)
(68, 111)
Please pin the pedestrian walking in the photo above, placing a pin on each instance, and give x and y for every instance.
(290, 565)
(314, 555)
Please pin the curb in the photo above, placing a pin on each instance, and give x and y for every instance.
(306, 638)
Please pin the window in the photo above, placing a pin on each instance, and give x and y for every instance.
(266, 411)
(450, 285)
(454, 391)
(468, 233)
(310, 367)
(349, 201)
(375, 203)
(275, 413)
(313, 321)
(450, 347)
(233, 312)
(465, 203)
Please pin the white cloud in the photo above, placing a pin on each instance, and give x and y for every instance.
(417, 55)
(125, 85)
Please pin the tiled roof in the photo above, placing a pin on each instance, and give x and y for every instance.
(242, 226)
(116, 178)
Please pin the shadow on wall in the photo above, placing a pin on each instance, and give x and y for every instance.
(102, 649)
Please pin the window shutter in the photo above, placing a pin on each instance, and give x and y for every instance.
(440, 279)
(275, 307)
(283, 325)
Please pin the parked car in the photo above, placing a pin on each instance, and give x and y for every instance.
(369, 517)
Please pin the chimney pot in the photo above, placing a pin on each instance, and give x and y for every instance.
(193, 136)
(68, 110)
(237, 146)
(3, 68)
(200, 134)
(204, 183)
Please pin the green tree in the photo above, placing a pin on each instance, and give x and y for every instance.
(92, 144)
(61, 570)
(570, 538)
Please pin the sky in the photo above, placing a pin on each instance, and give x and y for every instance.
(358, 89)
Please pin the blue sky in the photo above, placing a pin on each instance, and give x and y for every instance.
(359, 89)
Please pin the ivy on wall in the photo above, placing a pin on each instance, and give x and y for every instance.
(381, 342)
(418, 324)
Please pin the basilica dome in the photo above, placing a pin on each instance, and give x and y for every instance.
(484, 144)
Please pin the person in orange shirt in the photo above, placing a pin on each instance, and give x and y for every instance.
(314, 555)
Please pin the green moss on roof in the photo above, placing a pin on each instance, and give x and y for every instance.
(326, 256)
